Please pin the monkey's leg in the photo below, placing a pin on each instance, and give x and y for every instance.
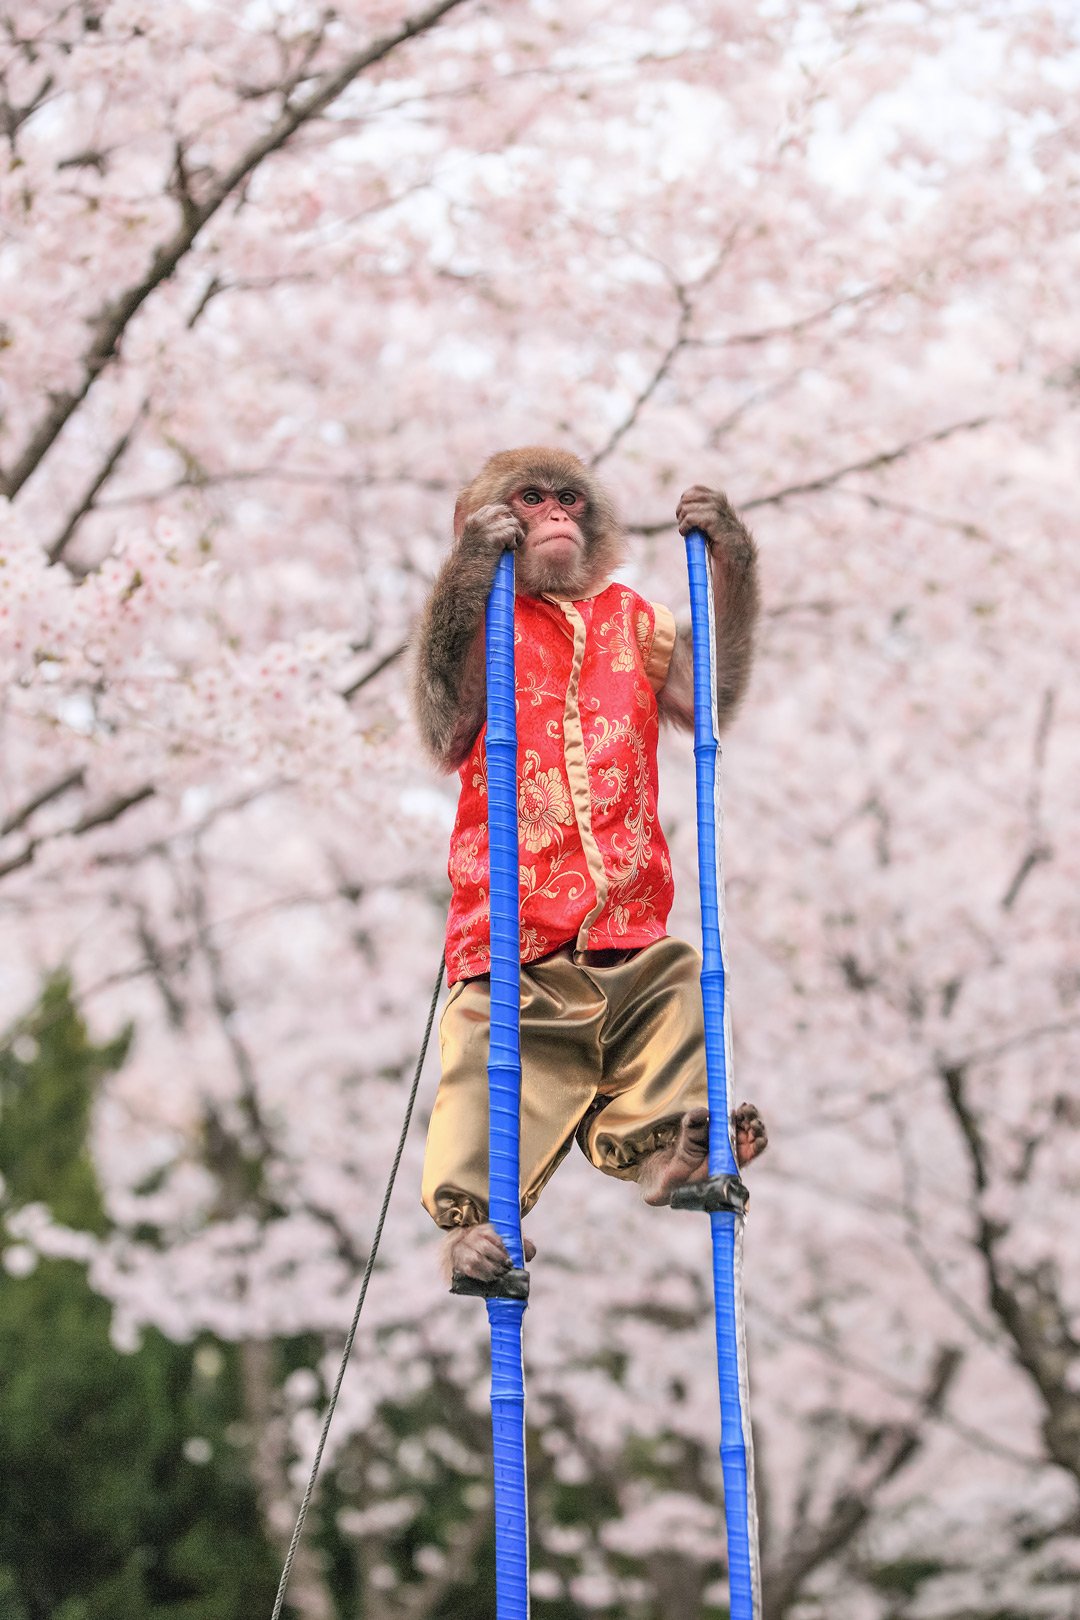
(478, 1251)
(559, 1074)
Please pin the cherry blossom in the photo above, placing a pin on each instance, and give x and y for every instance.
(273, 281)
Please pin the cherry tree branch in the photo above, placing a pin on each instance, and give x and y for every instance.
(56, 551)
(879, 503)
(217, 284)
(1010, 1043)
(1039, 850)
(197, 478)
(111, 810)
(883, 458)
(765, 334)
(678, 343)
(1026, 1300)
(240, 1169)
(225, 1007)
(832, 1351)
(376, 669)
(157, 961)
(55, 790)
(112, 320)
(12, 118)
(264, 1402)
(312, 43)
(812, 486)
(886, 1452)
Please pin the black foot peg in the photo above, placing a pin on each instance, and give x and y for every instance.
(715, 1193)
(513, 1284)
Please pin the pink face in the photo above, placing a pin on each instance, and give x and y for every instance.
(552, 521)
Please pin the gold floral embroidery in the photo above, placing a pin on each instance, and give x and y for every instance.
(466, 863)
(561, 871)
(622, 645)
(633, 851)
(538, 684)
(543, 804)
(479, 780)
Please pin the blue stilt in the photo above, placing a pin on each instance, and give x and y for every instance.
(504, 1089)
(736, 1445)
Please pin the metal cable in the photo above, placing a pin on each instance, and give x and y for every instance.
(345, 1354)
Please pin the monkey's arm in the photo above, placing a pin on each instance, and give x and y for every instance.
(449, 683)
(736, 602)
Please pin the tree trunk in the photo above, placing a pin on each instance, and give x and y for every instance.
(308, 1594)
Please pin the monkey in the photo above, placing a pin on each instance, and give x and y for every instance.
(611, 1031)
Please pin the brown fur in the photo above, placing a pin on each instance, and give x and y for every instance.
(478, 1251)
(449, 695)
(553, 470)
(686, 1159)
(736, 605)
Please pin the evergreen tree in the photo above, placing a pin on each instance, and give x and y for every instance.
(125, 1492)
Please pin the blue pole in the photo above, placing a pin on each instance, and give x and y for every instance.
(504, 1090)
(736, 1446)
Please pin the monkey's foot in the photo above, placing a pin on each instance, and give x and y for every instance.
(686, 1160)
(751, 1137)
(479, 1252)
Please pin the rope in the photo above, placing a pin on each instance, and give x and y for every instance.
(369, 1268)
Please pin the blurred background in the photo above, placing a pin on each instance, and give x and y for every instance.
(275, 277)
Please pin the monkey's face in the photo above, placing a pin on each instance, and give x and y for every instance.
(554, 554)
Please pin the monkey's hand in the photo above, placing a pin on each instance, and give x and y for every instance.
(490, 531)
(736, 603)
(710, 511)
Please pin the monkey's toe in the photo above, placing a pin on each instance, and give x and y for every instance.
(694, 1133)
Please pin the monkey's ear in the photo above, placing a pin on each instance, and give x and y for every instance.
(461, 512)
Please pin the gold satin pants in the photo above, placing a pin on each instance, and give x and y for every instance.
(612, 1052)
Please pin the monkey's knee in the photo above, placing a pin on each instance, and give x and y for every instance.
(452, 1207)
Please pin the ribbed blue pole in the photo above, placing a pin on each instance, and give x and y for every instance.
(736, 1447)
(504, 1090)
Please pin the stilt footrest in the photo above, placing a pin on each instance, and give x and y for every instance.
(715, 1193)
(513, 1284)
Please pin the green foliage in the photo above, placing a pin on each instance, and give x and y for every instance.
(125, 1480)
(904, 1577)
(124, 1484)
(47, 1081)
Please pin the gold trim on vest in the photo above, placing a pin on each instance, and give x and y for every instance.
(578, 775)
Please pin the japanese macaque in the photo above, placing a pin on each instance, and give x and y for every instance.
(548, 508)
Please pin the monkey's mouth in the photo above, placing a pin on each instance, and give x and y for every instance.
(557, 534)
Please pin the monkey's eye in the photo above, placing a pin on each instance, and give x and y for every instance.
(568, 497)
(532, 497)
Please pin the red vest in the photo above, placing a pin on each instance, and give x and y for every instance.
(595, 868)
